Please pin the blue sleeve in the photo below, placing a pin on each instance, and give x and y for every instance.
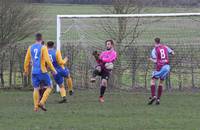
(169, 50)
(153, 54)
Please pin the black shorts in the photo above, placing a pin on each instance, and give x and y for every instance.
(105, 74)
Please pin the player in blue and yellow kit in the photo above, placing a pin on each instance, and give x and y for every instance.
(38, 56)
(62, 71)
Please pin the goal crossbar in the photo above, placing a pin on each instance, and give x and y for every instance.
(128, 15)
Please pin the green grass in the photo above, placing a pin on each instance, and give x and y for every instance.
(121, 111)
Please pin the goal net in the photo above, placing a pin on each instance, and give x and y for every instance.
(79, 35)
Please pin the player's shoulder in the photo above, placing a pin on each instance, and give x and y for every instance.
(37, 45)
(32, 46)
(164, 45)
(114, 51)
(154, 49)
(44, 47)
(57, 51)
(29, 47)
(50, 49)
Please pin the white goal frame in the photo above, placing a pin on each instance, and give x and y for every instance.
(59, 17)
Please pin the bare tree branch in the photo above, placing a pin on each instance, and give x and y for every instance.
(18, 20)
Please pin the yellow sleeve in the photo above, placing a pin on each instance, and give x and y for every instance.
(59, 58)
(46, 58)
(27, 60)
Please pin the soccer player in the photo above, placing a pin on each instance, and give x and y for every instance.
(42, 89)
(37, 54)
(160, 56)
(105, 65)
(63, 72)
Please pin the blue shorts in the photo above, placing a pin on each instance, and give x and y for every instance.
(61, 74)
(162, 74)
(43, 78)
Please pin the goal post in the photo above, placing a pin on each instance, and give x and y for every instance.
(59, 25)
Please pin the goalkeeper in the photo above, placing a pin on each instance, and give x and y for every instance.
(105, 65)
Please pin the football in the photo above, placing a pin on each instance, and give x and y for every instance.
(109, 66)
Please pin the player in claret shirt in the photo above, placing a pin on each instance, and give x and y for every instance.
(105, 65)
(160, 56)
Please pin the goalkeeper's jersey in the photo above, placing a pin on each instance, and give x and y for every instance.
(108, 56)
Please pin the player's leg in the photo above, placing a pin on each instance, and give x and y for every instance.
(65, 74)
(42, 89)
(46, 78)
(104, 83)
(70, 85)
(35, 83)
(40, 93)
(160, 89)
(164, 73)
(36, 98)
(102, 89)
(153, 91)
(63, 93)
(60, 81)
(96, 72)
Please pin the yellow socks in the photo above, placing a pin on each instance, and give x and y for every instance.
(62, 91)
(45, 96)
(36, 98)
(69, 84)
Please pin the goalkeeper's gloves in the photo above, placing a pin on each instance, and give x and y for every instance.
(96, 55)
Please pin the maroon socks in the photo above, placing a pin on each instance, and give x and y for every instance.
(153, 90)
(160, 89)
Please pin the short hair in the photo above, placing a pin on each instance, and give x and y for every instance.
(38, 36)
(50, 44)
(157, 40)
(110, 40)
(42, 42)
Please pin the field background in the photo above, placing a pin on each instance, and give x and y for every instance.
(121, 111)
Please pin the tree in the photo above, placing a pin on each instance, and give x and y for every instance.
(124, 31)
(18, 20)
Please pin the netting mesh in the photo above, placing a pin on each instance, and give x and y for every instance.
(96, 30)
(134, 39)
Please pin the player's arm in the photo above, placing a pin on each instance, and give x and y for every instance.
(170, 51)
(47, 59)
(96, 56)
(27, 61)
(153, 56)
(113, 57)
(153, 60)
(59, 58)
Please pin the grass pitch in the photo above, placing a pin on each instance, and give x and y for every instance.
(121, 111)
